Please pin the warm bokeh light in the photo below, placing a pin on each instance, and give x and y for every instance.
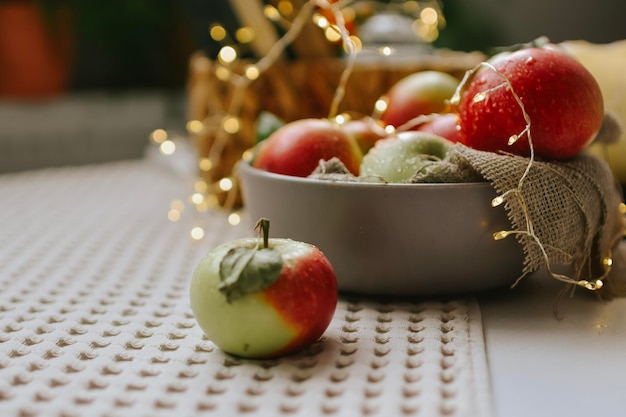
(245, 34)
(252, 72)
(429, 16)
(231, 124)
(234, 219)
(217, 32)
(226, 184)
(222, 73)
(167, 148)
(197, 233)
(227, 54)
(195, 126)
(381, 104)
(285, 7)
(205, 164)
(271, 13)
(158, 136)
(197, 198)
(332, 34)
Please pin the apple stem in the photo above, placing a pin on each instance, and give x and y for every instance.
(263, 227)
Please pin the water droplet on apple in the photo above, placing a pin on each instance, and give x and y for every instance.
(530, 60)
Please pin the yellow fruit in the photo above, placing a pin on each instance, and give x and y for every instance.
(607, 63)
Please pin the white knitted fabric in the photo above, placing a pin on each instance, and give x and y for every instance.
(95, 321)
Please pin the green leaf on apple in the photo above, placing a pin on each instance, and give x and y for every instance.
(248, 270)
(266, 124)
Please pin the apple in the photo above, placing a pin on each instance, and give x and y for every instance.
(399, 157)
(261, 297)
(420, 93)
(445, 125)
(297, 147)
(366, 131)
(560, 96)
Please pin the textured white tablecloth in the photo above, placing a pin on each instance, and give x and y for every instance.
(95, 321)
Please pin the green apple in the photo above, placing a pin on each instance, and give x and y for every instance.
(400, 157)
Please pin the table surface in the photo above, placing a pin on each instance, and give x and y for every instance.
(94, 320)
(544, 366)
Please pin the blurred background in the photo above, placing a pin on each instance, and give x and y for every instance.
(86, 81)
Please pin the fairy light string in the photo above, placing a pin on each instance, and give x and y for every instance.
(593, 284)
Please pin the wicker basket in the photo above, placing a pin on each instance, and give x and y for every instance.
(296, 90)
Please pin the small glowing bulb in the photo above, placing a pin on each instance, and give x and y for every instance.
(285, 7)
(217, 32)
(381, 104)
(158, 136)
(227, 54)
(173, 215)
(167, 148)
(197, 233)
(332, 34)
(245, 34)
(387, 51)
(205, 164)
(479, 97)
(222, 73)
(341, 119)
(513, 139)
(607, 261)
(622, 208)
(197, 198)
(320, 21)
(390, 129)
(429, 16)
(497, 201)
(247, 155)
(231, 125)
(226, 184)
(502, 234)
(271, 13)
(252, 72)
(195, 126)
(357, 45)
(592, 286)
(234, 219)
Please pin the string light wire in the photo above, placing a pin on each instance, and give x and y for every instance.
(594, 284)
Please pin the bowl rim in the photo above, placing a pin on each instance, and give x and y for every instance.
(247, 166)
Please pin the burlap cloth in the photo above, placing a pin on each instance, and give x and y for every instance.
(565, 214)
(562, 213)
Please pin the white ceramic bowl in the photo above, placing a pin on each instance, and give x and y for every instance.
(391, 239)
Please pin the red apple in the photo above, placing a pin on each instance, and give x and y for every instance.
(261, 298)
(560, 96)
(445, 125)
(297, 147)
(417, 94)
(366, 132)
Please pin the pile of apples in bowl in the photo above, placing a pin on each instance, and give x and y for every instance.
(385, 234)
